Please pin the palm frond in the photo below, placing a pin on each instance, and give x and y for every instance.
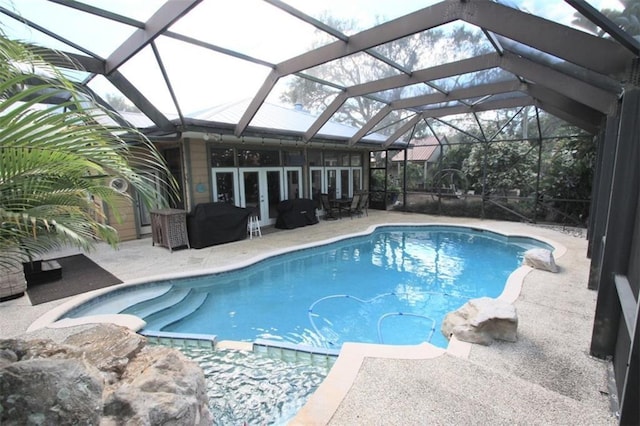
(56, 156)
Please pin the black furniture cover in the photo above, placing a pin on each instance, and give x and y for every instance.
(296, 213)
(216, 223)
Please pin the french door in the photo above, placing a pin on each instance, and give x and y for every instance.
(258, 188)
(225, 185)
(261, 189)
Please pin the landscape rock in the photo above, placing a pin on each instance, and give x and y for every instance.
(540, 259)
(101, 375)
(50, 391)
(482, 321)
(160, 386)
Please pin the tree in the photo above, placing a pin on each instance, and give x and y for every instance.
(628, 19)
(58, 152)
(120, 103)
(568, 174)
(509, 165)
(417, 51)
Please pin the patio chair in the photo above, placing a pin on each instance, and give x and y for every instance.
(363, 206)
(330, 212)
(353, 207)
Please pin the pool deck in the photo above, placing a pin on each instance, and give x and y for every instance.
(546, 377)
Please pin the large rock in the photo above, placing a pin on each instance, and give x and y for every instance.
(540, 259)
(482, 321)
(50, 391)
(101, 375)
(108, 348)
(160, 386)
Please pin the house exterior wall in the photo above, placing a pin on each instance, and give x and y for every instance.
(198, 179)
(126, 226)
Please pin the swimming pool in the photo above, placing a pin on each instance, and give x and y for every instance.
(392, 286)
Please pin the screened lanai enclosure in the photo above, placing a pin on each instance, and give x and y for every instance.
(506, 109)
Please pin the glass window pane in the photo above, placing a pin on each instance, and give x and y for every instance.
(274, 194)
(222, 157)
(225, 189)
(293, 158)
(293, 184)
(356, 180)
(330, 158)
(316, 186)
(314, 158)
(257, 157)
(345, 190)
(332, 180)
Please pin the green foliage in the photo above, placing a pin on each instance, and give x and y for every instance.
(509, 165)
(568, 173)
(56, 158)
(455, 156)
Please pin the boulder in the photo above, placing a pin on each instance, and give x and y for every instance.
(540, 259)
(160, 386)
(482, 321)
(50, 391)
(104, 374)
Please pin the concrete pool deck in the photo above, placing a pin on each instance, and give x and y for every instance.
(546, 377)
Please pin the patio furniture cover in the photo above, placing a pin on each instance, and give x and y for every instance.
(296, 213)
(216, 223)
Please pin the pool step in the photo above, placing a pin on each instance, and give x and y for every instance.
(183, 308)
(108, 303)
(149, 307)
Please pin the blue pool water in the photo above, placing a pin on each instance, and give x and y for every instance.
(393, 286)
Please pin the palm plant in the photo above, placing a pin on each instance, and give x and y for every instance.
(59, 149)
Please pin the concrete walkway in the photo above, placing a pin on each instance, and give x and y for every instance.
(547, 377)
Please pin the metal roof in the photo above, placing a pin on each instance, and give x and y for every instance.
(402, 66)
